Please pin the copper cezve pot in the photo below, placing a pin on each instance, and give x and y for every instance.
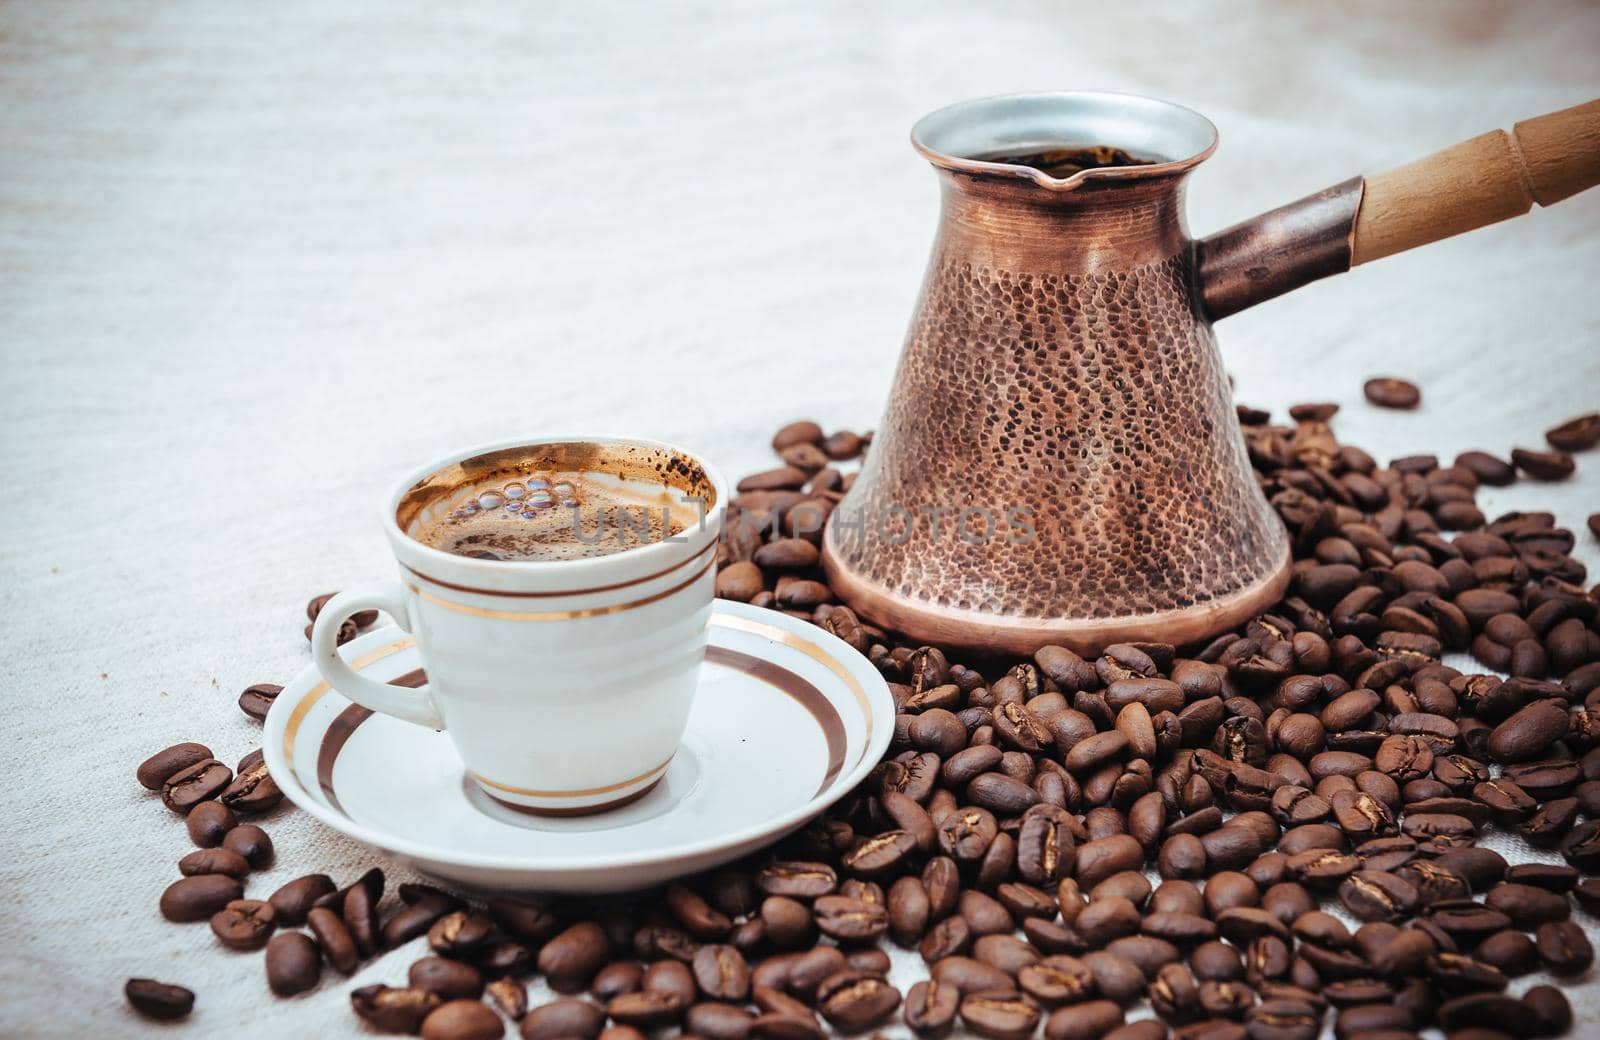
(1059, 461)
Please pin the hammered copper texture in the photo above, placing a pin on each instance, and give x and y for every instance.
(1088, 393)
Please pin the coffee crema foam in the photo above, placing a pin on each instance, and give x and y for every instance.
(557, 515)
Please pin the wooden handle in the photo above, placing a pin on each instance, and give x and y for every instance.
(1479, 182)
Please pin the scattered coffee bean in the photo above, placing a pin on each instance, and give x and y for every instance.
(1579, 433)
(462, 1020)
(294, 964)
(197, 898)
(155, 771)
(194, 784)
(208, 823)
(393, 1010)
(1388, 392)
(257, 700)
(158, 1000)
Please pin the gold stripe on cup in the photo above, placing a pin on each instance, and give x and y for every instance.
(556, 615)
(431, 580)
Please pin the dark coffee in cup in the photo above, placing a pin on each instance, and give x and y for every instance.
(568, 501)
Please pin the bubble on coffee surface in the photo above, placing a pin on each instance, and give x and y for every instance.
(558, 516)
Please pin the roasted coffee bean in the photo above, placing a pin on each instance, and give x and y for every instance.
(1543, 465)
(855, 1001)
(674, 977)
(1006, 952)
(1371, 895)
(798, 880)
(1216, 961)
(647, 1008)
(788, 922)
(1001, 1015)
(780, 1026)
(525, 920)
(1389, 392)
(250, 843)
(1512, 952)
(359, 912)
(252, 792)
(244, 924)
(196, 898)
(418, 917)
(948, 938)
(616, 979)
(450, 979)
(337, 944)
(1458, 973)
(697, 916)
(1102, 857)
(1550, 1011)
(1045, 848)
(1563, 947)
(292, 901)
(1528, 733)
(208, 822)
(158, 1000)
(214, 861)
(154, 772)
(570, 959)
(462, 1020)
(293, 963)
(930, 1008)
(850, 920)
(967, 833)
(190, 786)
(812, 967)
(1552, 877)
(1527, 906)
(1285, 1019)
(1089, 1020)
(716, 1021)
(880, 855)
(970, 976)
(393, 1010)
(723, 974)
(257, 699)
(563, 1017)
(460, 933)
(1579, 433)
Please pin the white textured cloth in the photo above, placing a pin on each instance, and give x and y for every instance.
(256, 260)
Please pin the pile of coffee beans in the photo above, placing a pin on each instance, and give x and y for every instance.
(1063, 839)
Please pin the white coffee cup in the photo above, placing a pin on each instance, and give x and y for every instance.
(564, 684)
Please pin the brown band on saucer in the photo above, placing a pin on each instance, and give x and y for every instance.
(566, 592)
(809, 697)
(340, 729)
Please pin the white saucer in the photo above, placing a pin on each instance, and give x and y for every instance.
(787, 719)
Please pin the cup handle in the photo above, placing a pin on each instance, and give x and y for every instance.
(412, 705)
